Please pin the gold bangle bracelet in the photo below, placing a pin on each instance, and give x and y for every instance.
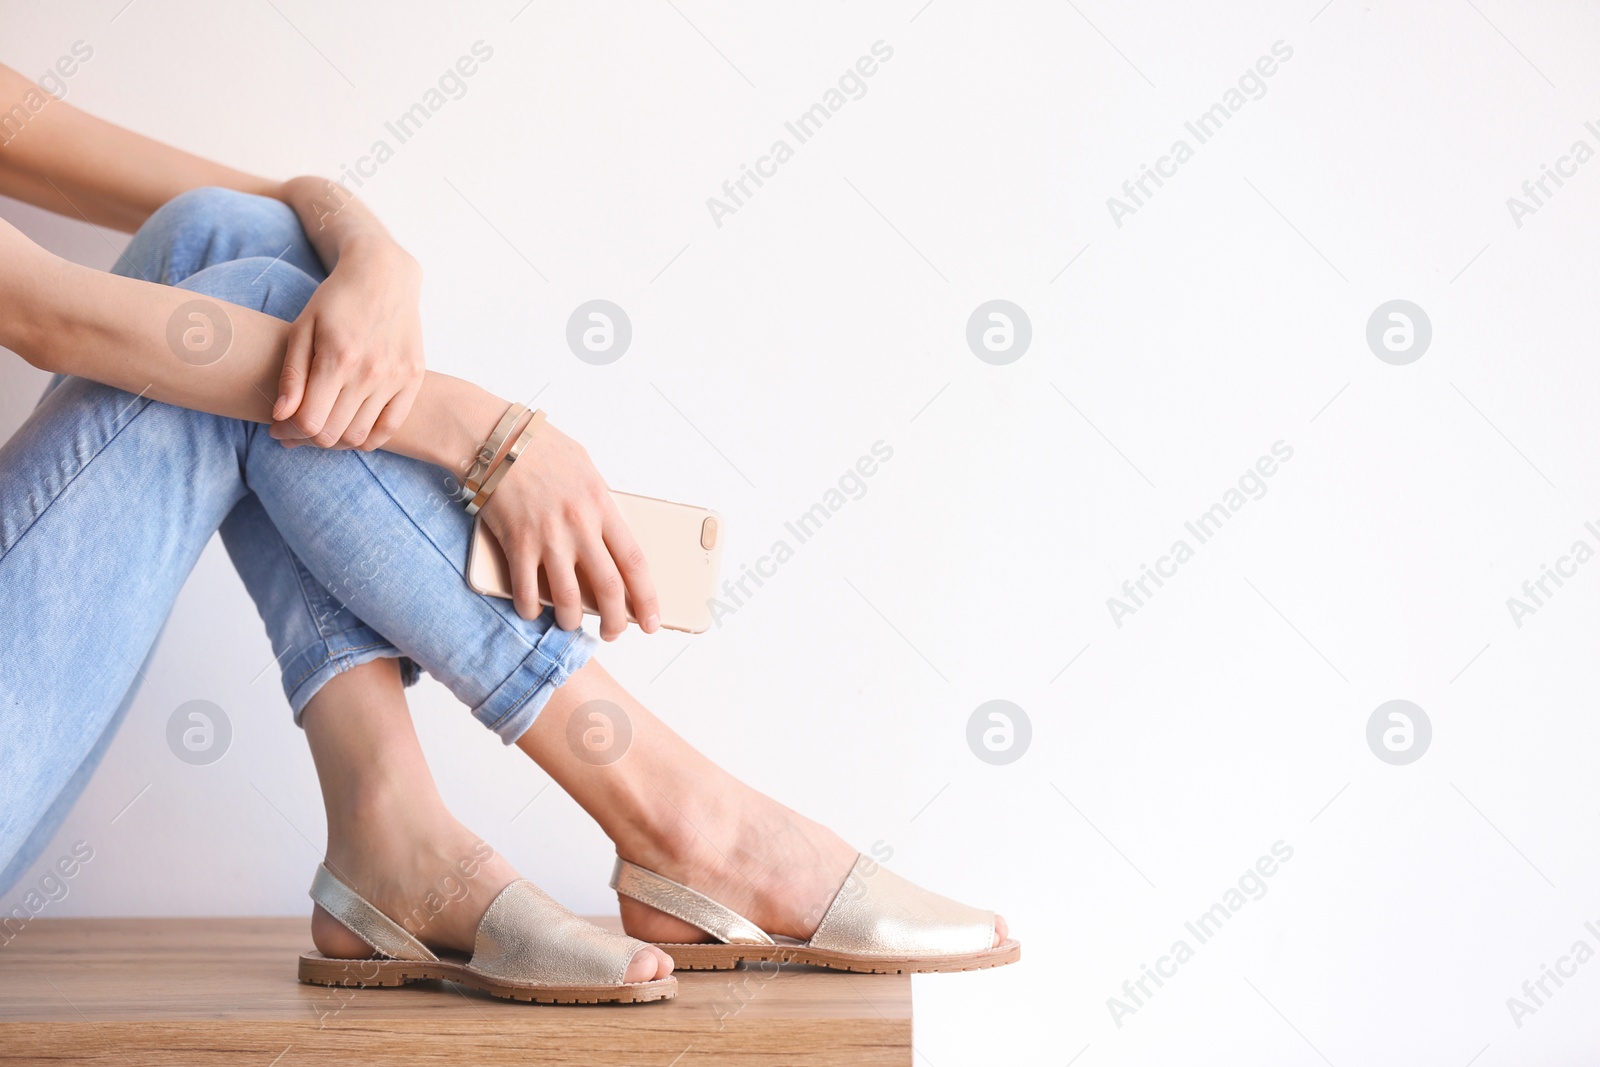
(499, 472)
(484, 458)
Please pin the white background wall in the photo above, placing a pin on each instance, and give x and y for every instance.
(830, 312)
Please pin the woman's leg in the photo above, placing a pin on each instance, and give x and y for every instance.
(381, 532)
(106, 501)
(389, 833)
(313, 635)
(376, 532)
(382, 541)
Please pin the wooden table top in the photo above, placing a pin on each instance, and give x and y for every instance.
(214, 991)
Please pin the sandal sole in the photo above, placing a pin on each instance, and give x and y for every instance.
(717, 957)
(317, 969)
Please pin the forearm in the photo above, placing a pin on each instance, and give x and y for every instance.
(346, 373)
(73, 163)
(78, 165)
(74, 320)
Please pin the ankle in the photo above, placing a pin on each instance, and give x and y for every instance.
(775, 867)
(677, 821)
(380, 813)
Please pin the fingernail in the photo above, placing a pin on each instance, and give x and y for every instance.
(651, 623)
(283, 402)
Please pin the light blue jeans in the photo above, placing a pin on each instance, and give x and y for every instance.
(107, 499)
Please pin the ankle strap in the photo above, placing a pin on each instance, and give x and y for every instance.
(364, 920)
(681, 902)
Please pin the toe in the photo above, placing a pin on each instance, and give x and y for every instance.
(1001, 930)
(647, 965)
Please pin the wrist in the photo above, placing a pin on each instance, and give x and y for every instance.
(449, 421)
(370, 244)
(337, 223)
(372, 252)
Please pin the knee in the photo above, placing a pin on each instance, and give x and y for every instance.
(268, 285)
(209, 210)
(206, 206)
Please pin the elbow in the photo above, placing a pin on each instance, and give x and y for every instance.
(29, 326)
(38, 327)
(44, 361)
(45, 342)
(32, 343)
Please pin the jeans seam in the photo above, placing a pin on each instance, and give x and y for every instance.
(75, 475)
(300, 584)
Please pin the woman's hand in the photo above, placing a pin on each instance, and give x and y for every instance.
(553, 510)
(354, 362)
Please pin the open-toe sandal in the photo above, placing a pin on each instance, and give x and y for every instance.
(528, 947)
(878, 923)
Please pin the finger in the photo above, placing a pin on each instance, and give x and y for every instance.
(333, 427)
(524, 563)
(607, 586)
(324, 386)
(561, 576)
(394, 416)
(635, 571)
(359, 431)
(296, 367)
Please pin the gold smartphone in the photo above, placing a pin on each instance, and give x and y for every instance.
(681, 543)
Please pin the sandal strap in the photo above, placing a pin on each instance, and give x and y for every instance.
(681, 902)
(362, 918)
(527, 936)
(878, 913)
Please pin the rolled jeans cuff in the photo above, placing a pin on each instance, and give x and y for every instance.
(308, 672)
(513, 706)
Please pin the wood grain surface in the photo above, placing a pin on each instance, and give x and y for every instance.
(206, 992)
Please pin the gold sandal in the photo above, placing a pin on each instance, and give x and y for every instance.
(878, 923)
(528, 948)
